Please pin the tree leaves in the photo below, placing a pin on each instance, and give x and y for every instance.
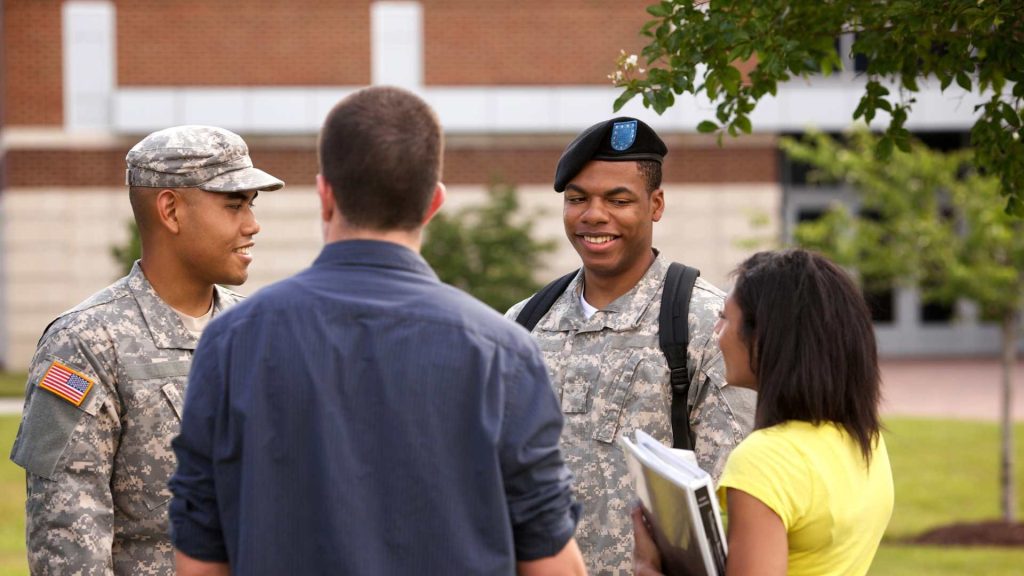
(941, 220)
(963, 80)
(977, 45)
(706, 127)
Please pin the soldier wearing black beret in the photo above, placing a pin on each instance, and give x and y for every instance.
(600, 335)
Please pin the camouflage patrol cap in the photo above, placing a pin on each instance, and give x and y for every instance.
(204, 157)
(620, 139)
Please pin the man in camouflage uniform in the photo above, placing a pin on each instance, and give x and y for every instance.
(105, 387)
(600, 337)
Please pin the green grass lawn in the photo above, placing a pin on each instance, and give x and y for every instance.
(945, 471)
(12, 384)
(12, 504)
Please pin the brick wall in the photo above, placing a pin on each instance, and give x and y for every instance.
(528, 42)
(317, 43)
(258, 42)
(733, 163)
(32, 89)
(65, 167)
(687, 163)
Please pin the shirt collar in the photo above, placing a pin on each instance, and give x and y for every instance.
(163, 322)
(623, 313)
(373, 253)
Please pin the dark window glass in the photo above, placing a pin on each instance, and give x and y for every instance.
(936, 313)
(880, 302)
(860, 63)
(944, 141)
(809, 214)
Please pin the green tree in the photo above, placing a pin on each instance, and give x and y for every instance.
(930, 220)
(699, 46)
(126, 254)
(484, 251)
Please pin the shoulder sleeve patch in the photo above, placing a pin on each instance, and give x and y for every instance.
(67, 383)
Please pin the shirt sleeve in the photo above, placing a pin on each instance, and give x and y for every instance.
(722, 415)
(194, 514)
(68, 453)
(769, 469)
(538, 485)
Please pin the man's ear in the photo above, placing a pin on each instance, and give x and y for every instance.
(168, 202)
(657, 204)
(435, 202)
(327, 203)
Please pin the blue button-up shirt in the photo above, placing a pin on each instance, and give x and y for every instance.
(362, 417)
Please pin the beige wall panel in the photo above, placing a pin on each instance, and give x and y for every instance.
(56, 253)
(709, 226)
(57, 242)
(290, 236)
(57, 250)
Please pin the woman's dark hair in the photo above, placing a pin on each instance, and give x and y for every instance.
(812, 345)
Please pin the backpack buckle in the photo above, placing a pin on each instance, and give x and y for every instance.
(680, 380)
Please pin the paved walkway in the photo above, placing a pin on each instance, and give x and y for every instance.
(10, 406)
(962, 388)
(968, 389)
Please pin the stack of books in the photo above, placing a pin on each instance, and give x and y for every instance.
(681, 505)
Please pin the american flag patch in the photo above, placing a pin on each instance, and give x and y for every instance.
(69, 384)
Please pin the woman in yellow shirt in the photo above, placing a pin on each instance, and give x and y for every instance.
(810, 490)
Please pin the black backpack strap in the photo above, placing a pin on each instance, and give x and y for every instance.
(541, 302)
(674, 338)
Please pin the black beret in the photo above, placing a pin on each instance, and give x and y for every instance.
(620, 139)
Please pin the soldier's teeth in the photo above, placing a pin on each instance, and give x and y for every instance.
(244, 250)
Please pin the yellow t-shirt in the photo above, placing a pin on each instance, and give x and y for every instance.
(835, 508)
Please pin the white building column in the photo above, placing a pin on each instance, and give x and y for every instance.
(90, 64)
(396, 44)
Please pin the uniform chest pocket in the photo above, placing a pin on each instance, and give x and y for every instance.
(149, 425)
(610, 401)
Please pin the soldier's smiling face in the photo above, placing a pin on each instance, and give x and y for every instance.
(217, 233)
(609, 218)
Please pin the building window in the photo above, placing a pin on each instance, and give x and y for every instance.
(807, 198)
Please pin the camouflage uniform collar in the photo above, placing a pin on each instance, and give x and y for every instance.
(624, 313)
(164, 324)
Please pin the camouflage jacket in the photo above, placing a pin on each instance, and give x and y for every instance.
(97, 471)
(612, 378)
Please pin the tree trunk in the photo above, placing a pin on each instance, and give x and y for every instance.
(1006, 477)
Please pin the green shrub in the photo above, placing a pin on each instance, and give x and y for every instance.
(126, 254)
(485, 251)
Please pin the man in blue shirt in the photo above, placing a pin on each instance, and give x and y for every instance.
(362, 417)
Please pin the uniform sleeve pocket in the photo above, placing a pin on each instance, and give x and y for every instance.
(46, 429)
(612, 401)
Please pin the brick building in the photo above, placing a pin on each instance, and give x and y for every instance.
(83, 80)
